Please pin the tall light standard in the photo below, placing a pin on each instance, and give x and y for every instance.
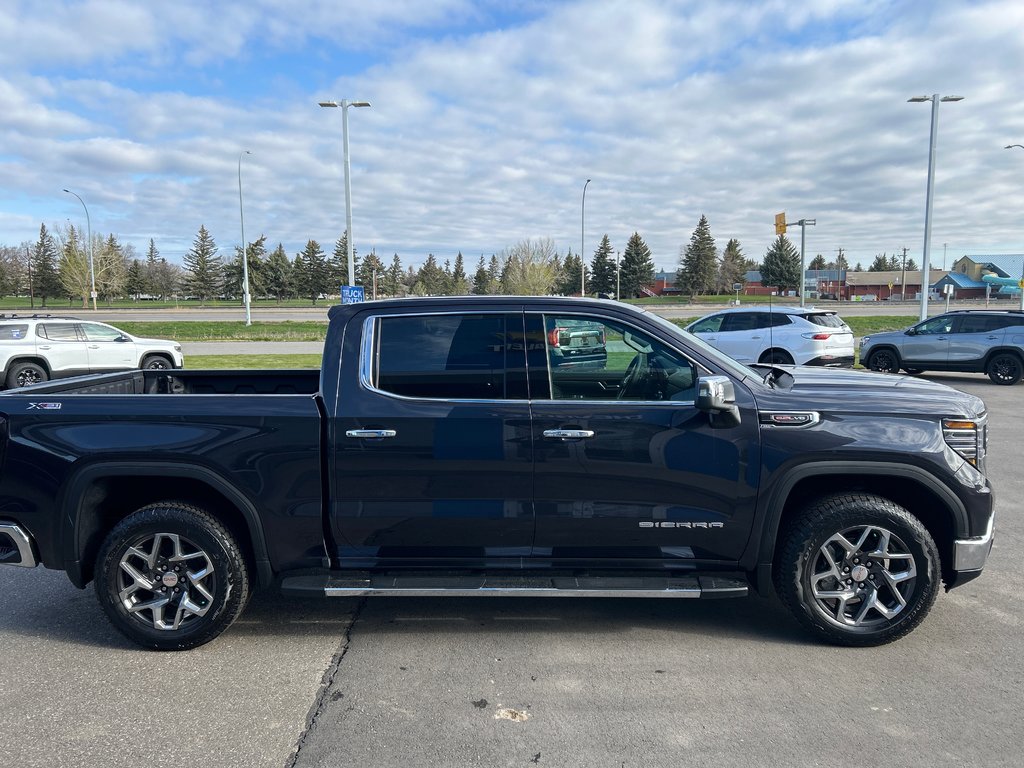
(92, 272)
(345, 104)
(583, 264)
(245, 257)
(934, 99)
(1021, 283)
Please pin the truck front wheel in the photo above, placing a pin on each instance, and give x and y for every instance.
(857, 569)
(171, 577)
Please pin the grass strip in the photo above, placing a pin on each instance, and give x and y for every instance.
(250, 362)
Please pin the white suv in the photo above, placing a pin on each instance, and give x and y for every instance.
(36, 348)
(779, 335)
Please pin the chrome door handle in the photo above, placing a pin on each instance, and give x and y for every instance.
(94, 346)
(370, 434)
(568, 434)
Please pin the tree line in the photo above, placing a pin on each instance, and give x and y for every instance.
(57, 267)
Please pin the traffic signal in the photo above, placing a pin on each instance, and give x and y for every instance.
(780, 223)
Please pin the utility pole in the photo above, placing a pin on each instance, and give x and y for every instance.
(839, 274)
(903, 288)
(804, 223)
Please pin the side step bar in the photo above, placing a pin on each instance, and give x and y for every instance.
(505, 585)
(16, 546)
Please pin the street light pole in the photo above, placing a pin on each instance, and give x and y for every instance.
(245, 257)
(617, 276)
(583, 264)
(92, 271)
(345, 104)
(926, 254)
(1021, 283)
(804, 223)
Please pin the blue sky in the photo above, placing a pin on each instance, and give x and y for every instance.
(488, 117)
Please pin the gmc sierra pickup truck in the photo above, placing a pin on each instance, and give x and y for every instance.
(445, 449)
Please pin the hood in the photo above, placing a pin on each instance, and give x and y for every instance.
(865, 392)
(156, 342)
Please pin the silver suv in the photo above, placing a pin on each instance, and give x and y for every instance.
(36, 348)
(979, 341)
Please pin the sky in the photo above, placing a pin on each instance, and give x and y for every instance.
(488, 118)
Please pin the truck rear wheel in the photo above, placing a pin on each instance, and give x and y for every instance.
(171, 577)
(857, 569)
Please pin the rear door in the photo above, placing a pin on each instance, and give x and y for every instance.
(974, 336)
(432, 454)
(62, 345)
(634, 470)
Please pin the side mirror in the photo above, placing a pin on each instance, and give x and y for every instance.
(122, 338)
(716, 396)
(911, 332)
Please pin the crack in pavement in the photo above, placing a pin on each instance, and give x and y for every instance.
(325, 686)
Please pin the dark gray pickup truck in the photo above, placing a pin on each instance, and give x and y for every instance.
(447, 449)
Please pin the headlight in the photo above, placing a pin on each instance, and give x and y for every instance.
(177, 347)
(864, 341)
(968, 438)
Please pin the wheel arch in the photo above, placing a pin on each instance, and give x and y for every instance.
(887, 347)
(101, 495)
(1003, 351)
(913, 488)
(769, 351)
(28, 358)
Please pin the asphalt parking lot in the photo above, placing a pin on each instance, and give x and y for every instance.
(463, 682)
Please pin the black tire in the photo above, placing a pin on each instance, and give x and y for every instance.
(855, 596)
(156, 362)
(1004, 368)
(776, 357)
(884, 361)
(24, 374)
(135, 572)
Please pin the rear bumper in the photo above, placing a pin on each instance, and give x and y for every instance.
(832, 361)
(16, 546)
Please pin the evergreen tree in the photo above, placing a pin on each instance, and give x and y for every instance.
(202, 267)
(311, 275)
(912, 265)
(481, 279)
(818, 262)
(110, 264)
(234, 271)
(880, 264)
(841, 262)
(150, 268)
(459, 285)
(637, 270)
(734, 266)
(494, 275)
(858, 268)
(570, 280)
(895, 262)
(43, 264)
(698, 264)
(393, 277)
(781, 266)
(447, 281)
(337, 267)
(430, 278)
(602, 269)
(278, 274)
(135, 283)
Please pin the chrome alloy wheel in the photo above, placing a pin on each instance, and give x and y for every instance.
(862, 577)
(166, 581)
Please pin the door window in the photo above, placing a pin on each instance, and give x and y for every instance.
(708, 324)
(444, 356)
(936, 325)
(616, 362)
(96, 332)
(58, 331)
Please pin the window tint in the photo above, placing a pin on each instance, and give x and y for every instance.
(58, 331)
(708, 324)
(12, 332)
(941, 324)
(775, 319)
(614, 361)
(96, 332)
(443, 356)
(742, 321)
(826, 319)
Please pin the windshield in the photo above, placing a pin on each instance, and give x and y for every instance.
(826, 319)
(737, 369)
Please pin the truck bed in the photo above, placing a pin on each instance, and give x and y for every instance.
(182, 382)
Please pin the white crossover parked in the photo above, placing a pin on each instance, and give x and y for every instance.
(36, 348)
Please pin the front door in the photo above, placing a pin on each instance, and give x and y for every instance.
(631, 470)
(109, 349)
(929, 343)
(432, 455)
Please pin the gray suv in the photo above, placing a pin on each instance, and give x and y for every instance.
(980, 341)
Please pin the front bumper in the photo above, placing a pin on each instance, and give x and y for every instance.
(16, 546)
(971, 554)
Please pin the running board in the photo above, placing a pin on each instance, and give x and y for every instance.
(430, 585)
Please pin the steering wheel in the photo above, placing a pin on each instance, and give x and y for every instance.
(635, 372)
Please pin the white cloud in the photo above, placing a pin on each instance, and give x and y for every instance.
(481, 135)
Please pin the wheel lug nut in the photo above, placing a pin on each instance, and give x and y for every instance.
(856, 561)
